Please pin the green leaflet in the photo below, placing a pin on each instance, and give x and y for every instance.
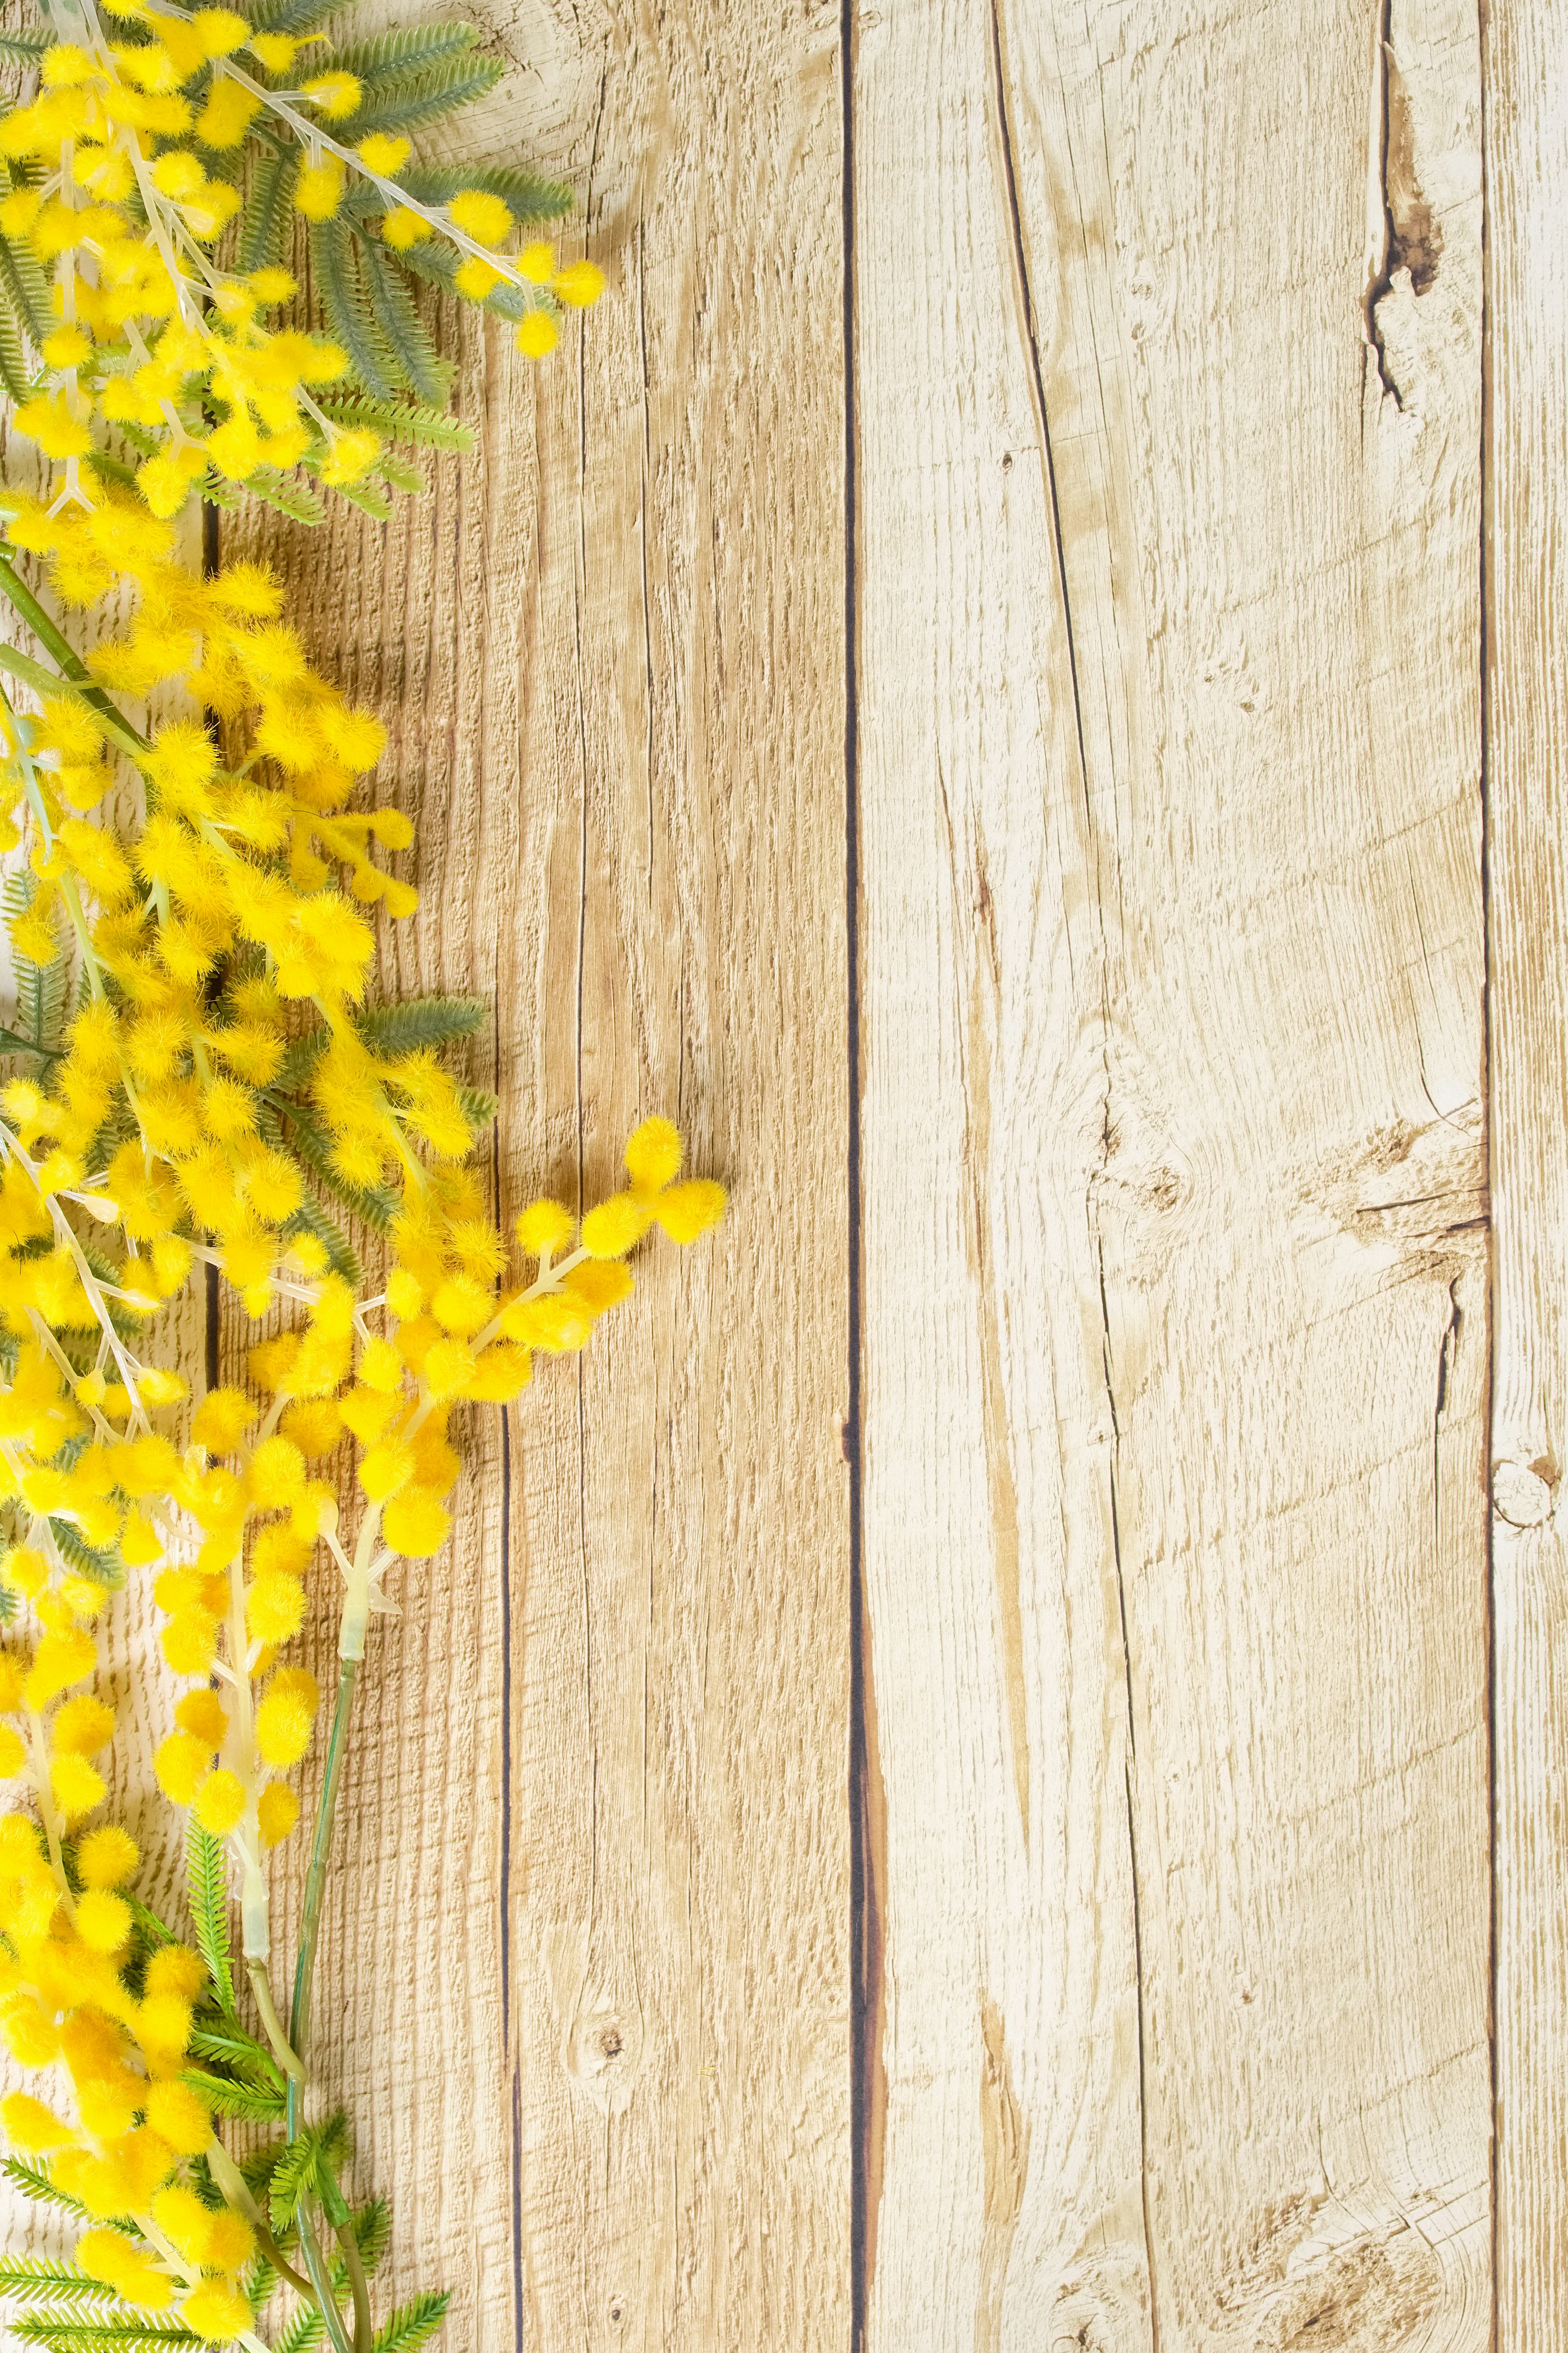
(34, 2278)
(259, 2286)
(206, 1892)
(399, 476)
(226, 2041)
(269, 215)
(26, 47)
(372, 2228)
(257, 2167)
(349, 317)
(412, 49)
(42, 990)
(368, 500)
(295, 2170)
(531, 196)
(401, 420)
(288, 15)
(424, 99)
(14, 370)
(70, 2334)
(26, 284)
(412, 2324)
(252, 2104)
(479, 1108)
(295, 500)
(392, 1030)
(309, 1218)
(103, 1565)
(401, 327)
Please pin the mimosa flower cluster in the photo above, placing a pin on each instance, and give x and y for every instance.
(203, 1085)
(154, 312)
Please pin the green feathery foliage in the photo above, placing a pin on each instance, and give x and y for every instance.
(206, 1890)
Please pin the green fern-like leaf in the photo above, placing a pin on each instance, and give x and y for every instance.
(372, 2230)
(288, 15)
(259, 2286)
(26, 48)
(421, 1021)
(42, 990)
(257, 2167)
(104, 1566)
(411, 50)
(368, 500)
(286, 497)
(27, 290)
(401, 420)
(15, 374)
(531, 196)
(295, 2170)
(311, 1218)
(413, 103)
(69, 2334)
(206, 1890)
(401, 328)
(399, 476)
(35, 2279)
(348, 316)
(312, 1146)
(269, 215)
(479, 1108)
(251, 2104)
(226, 2041)
(412, 2324)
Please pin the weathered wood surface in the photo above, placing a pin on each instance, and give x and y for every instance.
(1526, 62)
(590, 1934)
(1175, 1265)
(1100, 1353)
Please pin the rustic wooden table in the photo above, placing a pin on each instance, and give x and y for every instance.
(990, 1771)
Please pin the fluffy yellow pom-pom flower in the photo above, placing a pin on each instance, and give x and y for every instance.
(31, 2126)
(220, 1804)
(537, 335)
(276, 1811)
(616, 1226)
(481, 215)
(415, 1524)
(687, 1210)
(654, 1154)
(319, 190)
(77, 1786)
(177, 2112)
(106, 1857)
(217, 2311)
(103, 1920)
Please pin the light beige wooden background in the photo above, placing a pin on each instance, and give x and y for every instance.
(991, 1772)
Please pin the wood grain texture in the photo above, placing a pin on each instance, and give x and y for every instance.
(1174, 1240)
(587, 1961)
(583, 1980)
(1526, 59)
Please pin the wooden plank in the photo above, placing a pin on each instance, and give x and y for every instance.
(1175, 1274)
(1525, 57)
(587, 1963)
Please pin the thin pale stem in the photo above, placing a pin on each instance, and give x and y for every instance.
(335, 2208)
(316, 1880)
(261, 1986)
(317, 2268)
